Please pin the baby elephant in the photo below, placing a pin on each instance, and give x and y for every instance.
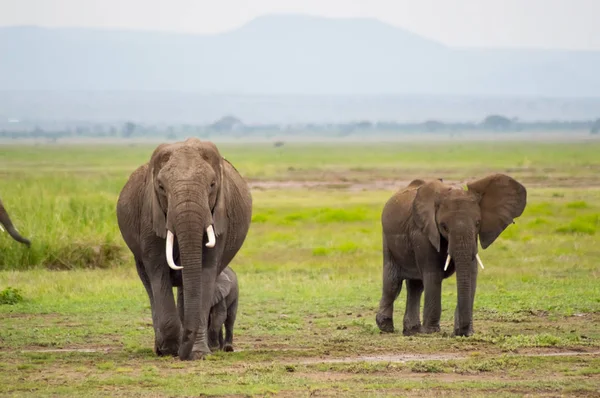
(430, 231)
(223, 311)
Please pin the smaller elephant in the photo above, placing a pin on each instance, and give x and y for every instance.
(431, 230)
(223, 311)
(10, 228)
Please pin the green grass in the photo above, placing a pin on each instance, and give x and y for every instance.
(310, 279)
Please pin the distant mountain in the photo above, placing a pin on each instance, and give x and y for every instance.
(285, 54)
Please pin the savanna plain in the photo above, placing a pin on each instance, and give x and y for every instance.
(75, 319)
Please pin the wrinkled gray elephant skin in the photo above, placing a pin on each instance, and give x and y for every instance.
(184, 215)
(430, 231)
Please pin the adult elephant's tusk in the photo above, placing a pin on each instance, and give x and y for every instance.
(169, 249)
(447, 263)
(210, 231)
(1, 228)
(479, 261)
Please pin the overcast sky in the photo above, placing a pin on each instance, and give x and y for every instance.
(567, 24)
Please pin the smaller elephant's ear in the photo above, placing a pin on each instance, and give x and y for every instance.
(424, 207)
(222, 289)
(502, 199)
(159, 219)
(220, 210)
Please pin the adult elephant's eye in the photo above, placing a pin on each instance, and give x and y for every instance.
(161, 187)
(212, 184)
(477, 223)
(444, 227)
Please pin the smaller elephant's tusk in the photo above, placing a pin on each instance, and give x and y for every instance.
(479, 261)
(169, 249)
(447, 263)
(1, 228)
(211, 236)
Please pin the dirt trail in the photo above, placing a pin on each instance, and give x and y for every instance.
(393, 185)
(352, 186)
(404, 358)
(393, 358)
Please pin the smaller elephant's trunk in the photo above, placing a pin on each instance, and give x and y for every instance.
(10, 228)
(463, 251)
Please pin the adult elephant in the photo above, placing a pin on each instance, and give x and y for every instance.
(187, 205)
(430, 230)
(10, 228)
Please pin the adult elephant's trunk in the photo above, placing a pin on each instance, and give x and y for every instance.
(463, 251)
(8, 225)
(191, 222)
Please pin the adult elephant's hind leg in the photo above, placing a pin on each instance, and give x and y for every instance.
(139, 265)
(392, 284)
(412, 318)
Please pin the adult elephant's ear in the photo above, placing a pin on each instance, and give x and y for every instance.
(159, 218)
(220, 210)
(502, 199)
(424, 207)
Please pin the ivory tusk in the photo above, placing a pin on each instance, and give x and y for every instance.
(211, 236)
(447, 263)
(169, 249)
(1, 228)
(479, 261)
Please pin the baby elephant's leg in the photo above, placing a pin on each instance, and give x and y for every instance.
(229, 322)
(218, 313)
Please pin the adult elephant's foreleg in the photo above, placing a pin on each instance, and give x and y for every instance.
(167, 325)
(412, 316)
(432, 311)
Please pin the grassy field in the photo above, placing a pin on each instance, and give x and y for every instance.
(310, 278)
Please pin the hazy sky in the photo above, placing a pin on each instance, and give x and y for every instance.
(569, 24)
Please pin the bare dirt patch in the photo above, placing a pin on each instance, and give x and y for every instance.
(405, 358)
(392, 185)
(68, 350)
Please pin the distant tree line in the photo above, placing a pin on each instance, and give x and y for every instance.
(232, 126)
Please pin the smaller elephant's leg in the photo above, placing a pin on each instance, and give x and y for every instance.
(221, 340)
(180, 305)
(412, 316)
(213, 334)
(470, 331)
(217, 317)
(432, 311)
(392, 284)
(229, 322)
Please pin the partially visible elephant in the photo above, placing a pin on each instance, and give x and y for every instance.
(10, 228)
(430, 230)
(223, 311)
(184, 215)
